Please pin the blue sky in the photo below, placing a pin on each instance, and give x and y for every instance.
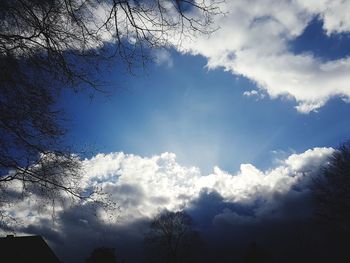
(202, 116)
(315, 40)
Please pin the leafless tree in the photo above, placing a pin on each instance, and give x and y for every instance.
(49, 45)
(172, 238)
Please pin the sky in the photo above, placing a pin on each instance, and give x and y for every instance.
(202, 115)
(231, 127)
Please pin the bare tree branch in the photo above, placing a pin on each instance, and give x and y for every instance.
(49, 45)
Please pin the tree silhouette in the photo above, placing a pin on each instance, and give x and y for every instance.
(172, 238)
(332, 204)
(256, 254)
(49, 45)
(332, 191)
(102, 255)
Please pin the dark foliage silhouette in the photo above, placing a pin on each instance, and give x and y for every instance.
(332, 191)
(332, 203)
(256, 254)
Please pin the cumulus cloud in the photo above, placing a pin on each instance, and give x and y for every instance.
(253, 41)
(144, 186)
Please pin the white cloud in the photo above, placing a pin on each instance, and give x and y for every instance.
(163, 57)
(309, 160)
(254, 93)
(334, 13)
(143, 186)
(253, 42)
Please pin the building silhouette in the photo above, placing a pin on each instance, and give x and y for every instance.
(26, 249)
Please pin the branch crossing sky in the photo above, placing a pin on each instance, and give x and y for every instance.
(243, 117)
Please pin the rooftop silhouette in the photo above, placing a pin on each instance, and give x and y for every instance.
(26, 249)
